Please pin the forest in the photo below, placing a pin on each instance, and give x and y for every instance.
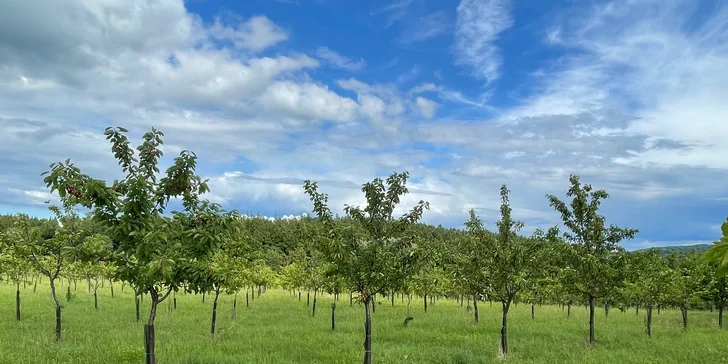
(153, 235)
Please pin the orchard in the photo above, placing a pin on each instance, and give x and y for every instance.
(145, 269)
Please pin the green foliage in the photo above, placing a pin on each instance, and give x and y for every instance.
(371, 250)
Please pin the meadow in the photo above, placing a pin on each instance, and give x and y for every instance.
(278, 328)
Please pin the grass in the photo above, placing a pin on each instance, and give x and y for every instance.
(277, 328)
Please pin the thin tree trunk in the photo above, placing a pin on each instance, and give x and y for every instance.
(308, 298)
(568, 311)
(96, 300)
(111, 284)
(17, 303)
(504, 329)
(606, 308)
(235, 306)
(136, 303)
(409, 303)
(174, 300)
(214, 311)
(58, 309)
(425, 297)
(351, 298)
(35, 284)
(203, 297)
(720, 316)
(367, 331)
(258, 291)
(475, 308)
(591, 320)
(649, 320)
(247, 302)
(684, 310)
(313, 310)
(392, 298)
(333, 316)
(533, 311)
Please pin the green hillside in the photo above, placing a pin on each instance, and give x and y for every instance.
(682, 248)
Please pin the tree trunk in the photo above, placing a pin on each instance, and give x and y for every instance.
(425, 297)
(258, 291)
(203, 297)
(637, 310)
(504, 329)
(351, 298)
(475, 308)
(35, 284)
(720, 316)
(333, 316)
(149, 337)
(591, 320)
(568, 311)
(684, 310)
(17, 303)
(58, 309)
(88, 280)
(533, 311)
(649, 320)
(214, 311)
(308, 298)
(174, 300)
(313, 309)
(136, 303)
(96, 300)
(367, 331)
(374, 303)
(235, 306)
(247, 302)
(392, 298)
(606, 308)
(252, 293)
(461, 300)
(299, 295)
(409, 303)
(111, 284)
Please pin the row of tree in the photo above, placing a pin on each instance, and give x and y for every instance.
(129, 236)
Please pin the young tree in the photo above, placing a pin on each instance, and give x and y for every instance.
(654, 280)
(594, 246)
(513, 260)
(373, 251)
(131, 210)
(14, 262)
(690, 280)
(47, 255)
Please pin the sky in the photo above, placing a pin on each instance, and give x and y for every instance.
(464, 95)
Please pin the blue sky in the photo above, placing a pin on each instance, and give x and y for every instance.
(465, 95)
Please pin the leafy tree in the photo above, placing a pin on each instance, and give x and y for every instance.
(47, 255)
(592, 258)
(14, 262)
(689, 281)
(374, 252)
(145, 251)
(654, 281)
(718, 253)
(513, 260)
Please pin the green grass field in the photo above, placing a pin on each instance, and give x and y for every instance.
(277, 328)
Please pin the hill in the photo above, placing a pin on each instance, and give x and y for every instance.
(682, 248)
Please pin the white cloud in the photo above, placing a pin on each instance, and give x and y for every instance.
(426, 107)
(339, 61)
(255, 34)
(479, 22)
(308, 101)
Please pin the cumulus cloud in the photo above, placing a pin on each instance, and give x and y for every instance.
(255, 34)
(637, 112)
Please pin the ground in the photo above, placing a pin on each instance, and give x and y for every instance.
(277, 328)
